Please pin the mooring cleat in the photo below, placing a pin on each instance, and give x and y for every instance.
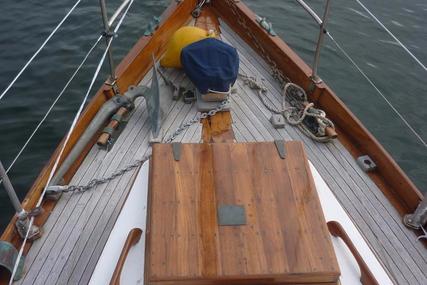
(23, 226)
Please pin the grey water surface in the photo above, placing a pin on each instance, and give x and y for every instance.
(25, 25)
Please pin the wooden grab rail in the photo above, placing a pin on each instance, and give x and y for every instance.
(366, 277)
(132, 239)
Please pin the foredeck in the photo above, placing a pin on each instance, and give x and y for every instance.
(79, 226)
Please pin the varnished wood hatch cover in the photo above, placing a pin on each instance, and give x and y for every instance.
(285, 238)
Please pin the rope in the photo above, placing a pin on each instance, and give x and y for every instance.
(38, 51)
(52, 105)
(297, 112)
(392, 35)
(261, 91)
(70, 131)
(300, 109)
(378, 91)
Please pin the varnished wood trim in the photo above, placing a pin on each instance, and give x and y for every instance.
(356, 138)
(139, 60)
(208, 219)
(218, 128)
(367, 278)
(130, 71)
(133, 238)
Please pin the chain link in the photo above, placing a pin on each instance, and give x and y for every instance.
(275, 71)
(137, 163)
(261, 91)
(221, 106)
(96, 182)
(284, 81)
(251, 81)
(297, 111)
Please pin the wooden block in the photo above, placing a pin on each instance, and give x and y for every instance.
(218, 128)
(284, 241)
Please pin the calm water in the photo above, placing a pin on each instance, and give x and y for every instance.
(25, 24)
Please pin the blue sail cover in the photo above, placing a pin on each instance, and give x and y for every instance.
(211, 64)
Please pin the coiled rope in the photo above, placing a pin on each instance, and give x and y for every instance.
(70, 131)
(300, 110)
(40, 48)
(297, 112)
(416, 134)
(392, 35)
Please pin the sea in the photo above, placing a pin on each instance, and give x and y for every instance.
(25, 25)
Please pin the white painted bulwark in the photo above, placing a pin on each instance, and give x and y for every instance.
(133, 215)
(333, 211)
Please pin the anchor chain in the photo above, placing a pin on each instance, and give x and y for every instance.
(253, 83)
(96, 182)
(137, 163)
(275, 71)
(221, 106)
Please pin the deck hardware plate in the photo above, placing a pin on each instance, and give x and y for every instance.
(176, 149)
(8, 256)
(280, 146)
(231, 215)
(277, 121)
(366, 163)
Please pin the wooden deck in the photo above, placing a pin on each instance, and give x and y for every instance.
(189, 243)
(80, 224)
(370, 210)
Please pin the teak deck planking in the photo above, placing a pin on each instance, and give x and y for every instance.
(285, 238)
(371, 211)
(360, 195)
(389, 177)
(130, 71)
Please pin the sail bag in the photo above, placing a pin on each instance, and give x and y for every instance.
(211, 65)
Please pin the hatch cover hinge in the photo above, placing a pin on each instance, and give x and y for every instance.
(176, 149)
(280, 146)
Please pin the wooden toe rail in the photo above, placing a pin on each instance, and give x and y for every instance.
(366, 277)
(132, 239)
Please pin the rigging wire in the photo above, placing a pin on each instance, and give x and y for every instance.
(377, 89)
(74, 123)
(38, 51)
(52, 105)
(392, 35)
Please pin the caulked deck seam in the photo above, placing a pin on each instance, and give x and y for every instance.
(88, 196)
(316, 149)
(367, 181)
(79, 226)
